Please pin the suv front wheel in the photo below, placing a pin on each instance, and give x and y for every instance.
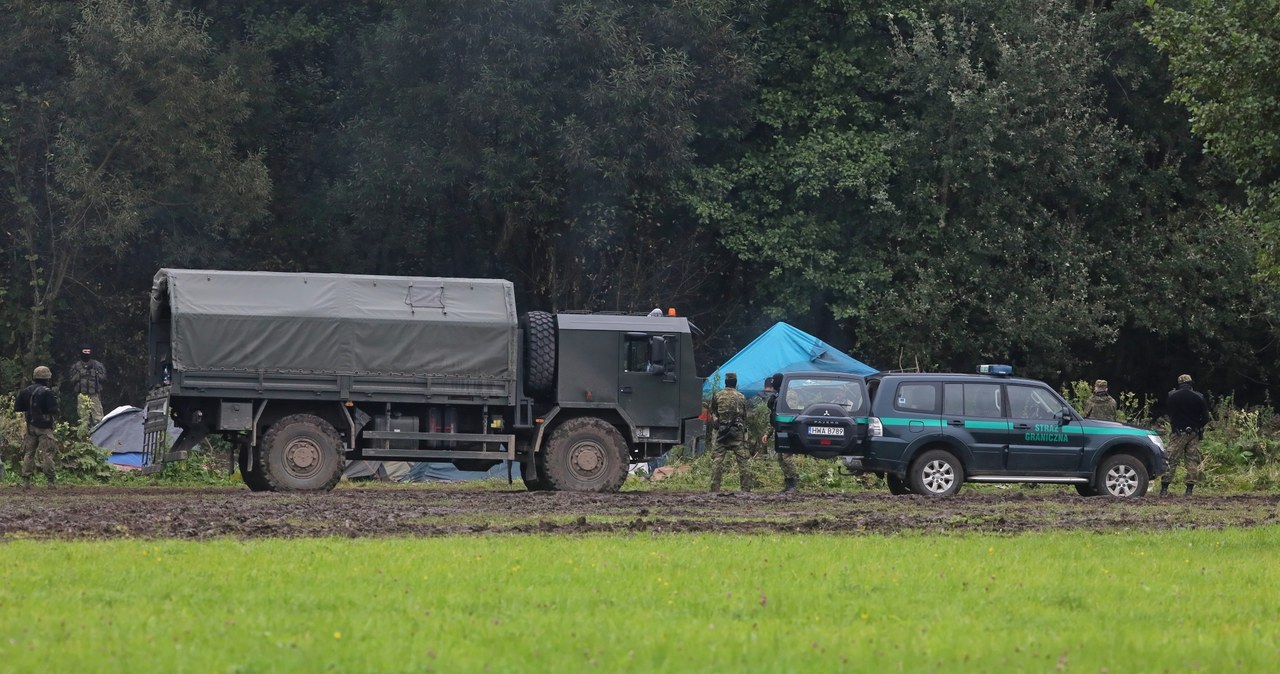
(936, 473)
(1123, 476)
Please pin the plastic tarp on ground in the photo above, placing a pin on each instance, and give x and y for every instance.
(434, 471)
(120, 433)
(385, 471)
(783, 348)
(337, 323)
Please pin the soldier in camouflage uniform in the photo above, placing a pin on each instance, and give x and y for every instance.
(729, 413)
(87, 378)
(786, 461)
(39, 404)
(1188, 415)
(1100, 405)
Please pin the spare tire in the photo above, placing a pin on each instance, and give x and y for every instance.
(539, 353)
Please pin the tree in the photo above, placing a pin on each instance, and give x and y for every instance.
(539, 141)
(128, 139)
(1223, 55)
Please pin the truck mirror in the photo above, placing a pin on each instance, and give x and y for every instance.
(1064, 416)
(657, 355)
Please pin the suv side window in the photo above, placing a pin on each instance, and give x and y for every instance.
(973, 400)
(1031, 402)
(917, 397)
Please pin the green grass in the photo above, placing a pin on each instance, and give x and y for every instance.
(1080, 602)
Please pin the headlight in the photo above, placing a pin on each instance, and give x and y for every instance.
(1155, 440)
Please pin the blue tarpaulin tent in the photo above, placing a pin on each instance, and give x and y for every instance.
(783, 348)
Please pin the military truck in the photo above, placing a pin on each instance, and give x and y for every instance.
(304, 371)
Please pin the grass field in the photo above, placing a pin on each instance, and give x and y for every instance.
(1069, 601)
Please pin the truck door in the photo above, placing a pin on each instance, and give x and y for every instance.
(647, 384)
(1040, 442)
(974, 414)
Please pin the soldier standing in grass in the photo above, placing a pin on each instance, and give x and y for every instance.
(729, 416)
(87, 378)
(786, 461)
(1188, 415)
(1100, 405)
(39, 404)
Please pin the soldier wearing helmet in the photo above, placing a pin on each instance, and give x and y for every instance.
(39, 404)
(1100, 405)
(1188, 415)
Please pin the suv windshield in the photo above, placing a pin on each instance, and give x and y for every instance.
(799, 394)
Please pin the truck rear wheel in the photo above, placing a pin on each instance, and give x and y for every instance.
(301, 452)
(586, 454)
(540, 353)
(250, 472)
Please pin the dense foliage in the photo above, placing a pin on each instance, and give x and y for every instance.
(1082, 188)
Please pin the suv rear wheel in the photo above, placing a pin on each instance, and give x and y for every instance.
(1123, 476)
(936, 473)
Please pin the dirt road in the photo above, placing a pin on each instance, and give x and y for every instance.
(91, 512)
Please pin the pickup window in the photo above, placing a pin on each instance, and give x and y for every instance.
(798, 394)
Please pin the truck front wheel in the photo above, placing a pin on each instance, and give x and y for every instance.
(301, 452)
(586, 454)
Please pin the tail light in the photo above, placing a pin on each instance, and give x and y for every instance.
(875, 429)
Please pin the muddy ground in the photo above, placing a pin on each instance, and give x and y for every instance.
(104, 512)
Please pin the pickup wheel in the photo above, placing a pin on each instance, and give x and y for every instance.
(250, 472)
(936, 473)
(897, 486)
(1123, 476)
(540, 353)
(586, 454)
(301, 452)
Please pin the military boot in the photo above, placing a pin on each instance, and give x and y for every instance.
(789, 485)
(1164, 488)
(1190, 487)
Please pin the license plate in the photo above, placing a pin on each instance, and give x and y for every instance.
(826, 430)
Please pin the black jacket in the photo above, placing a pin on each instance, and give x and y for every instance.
(1187, 409)
(39, 403)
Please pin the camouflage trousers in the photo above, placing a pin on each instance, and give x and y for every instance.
(95, 408)
(788, 464)
(740, 454)
(1184, 448)
(39, 441)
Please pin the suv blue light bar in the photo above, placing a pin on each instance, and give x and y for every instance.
(999, 370)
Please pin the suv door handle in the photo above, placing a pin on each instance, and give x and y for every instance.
(957, 422)
(625, 389)
(1022, 425)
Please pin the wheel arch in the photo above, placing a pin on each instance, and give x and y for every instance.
(1140, 452)
(612, 416)
(943, 442)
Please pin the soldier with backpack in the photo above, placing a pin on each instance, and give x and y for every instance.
(39, 404)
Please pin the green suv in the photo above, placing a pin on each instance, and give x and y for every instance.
(930, 433)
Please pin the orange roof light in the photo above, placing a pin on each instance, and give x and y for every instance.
(671, 311)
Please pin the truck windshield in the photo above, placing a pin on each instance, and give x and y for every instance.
(799, 394)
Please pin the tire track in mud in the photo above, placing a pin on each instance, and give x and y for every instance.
(79, 513)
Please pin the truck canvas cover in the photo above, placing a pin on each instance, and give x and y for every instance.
(337, 323)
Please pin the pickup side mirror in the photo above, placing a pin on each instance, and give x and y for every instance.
(1065, 416)
(657, 355)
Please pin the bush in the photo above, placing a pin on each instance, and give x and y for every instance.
(77, 457)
